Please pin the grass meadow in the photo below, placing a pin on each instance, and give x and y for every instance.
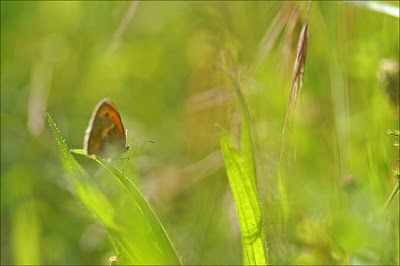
(275, 127)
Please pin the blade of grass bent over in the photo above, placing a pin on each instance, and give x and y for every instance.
(87, 191)
(246, 198)
(159, 235)
(130, 237)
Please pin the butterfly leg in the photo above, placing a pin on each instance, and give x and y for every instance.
(123, 167)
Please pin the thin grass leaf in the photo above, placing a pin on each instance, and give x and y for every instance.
(123, 25)
(247, 144)
(246, 141)
(134, 237)
(86, 189)
(159, 235)
(246, 198)
(88, 192)
(269, 39)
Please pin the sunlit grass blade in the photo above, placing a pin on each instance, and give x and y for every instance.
(269, 39)
(133, 237)
(247, 145)
(138, 236)
(246, 198)
(86, 189)
(160, 235)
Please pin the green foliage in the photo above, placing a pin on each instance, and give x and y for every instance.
(141, 238)
(241, 171)
(246, 198)
(247, 145)
(395, 133)
(396, 172)
(159, 63)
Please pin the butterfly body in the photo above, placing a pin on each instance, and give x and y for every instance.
(105, 136)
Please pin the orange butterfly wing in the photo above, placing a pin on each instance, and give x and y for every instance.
(105, 136)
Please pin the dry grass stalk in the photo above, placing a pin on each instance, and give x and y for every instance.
(123, 26)
(207, 99)
(293, 26)
(269, 39)
(286, 21)
(297, 82)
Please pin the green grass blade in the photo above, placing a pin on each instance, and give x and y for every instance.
(163, 242)
(246, 198)
(158, 234)
(247, 144)
(86, 189)
(132, 237)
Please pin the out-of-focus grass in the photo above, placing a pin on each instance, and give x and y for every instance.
(164, 76)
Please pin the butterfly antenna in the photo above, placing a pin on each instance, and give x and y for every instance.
(134, 142)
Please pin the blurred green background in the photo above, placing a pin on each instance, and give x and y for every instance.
(159, 63)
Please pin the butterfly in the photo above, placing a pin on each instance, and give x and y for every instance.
(105, 136)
